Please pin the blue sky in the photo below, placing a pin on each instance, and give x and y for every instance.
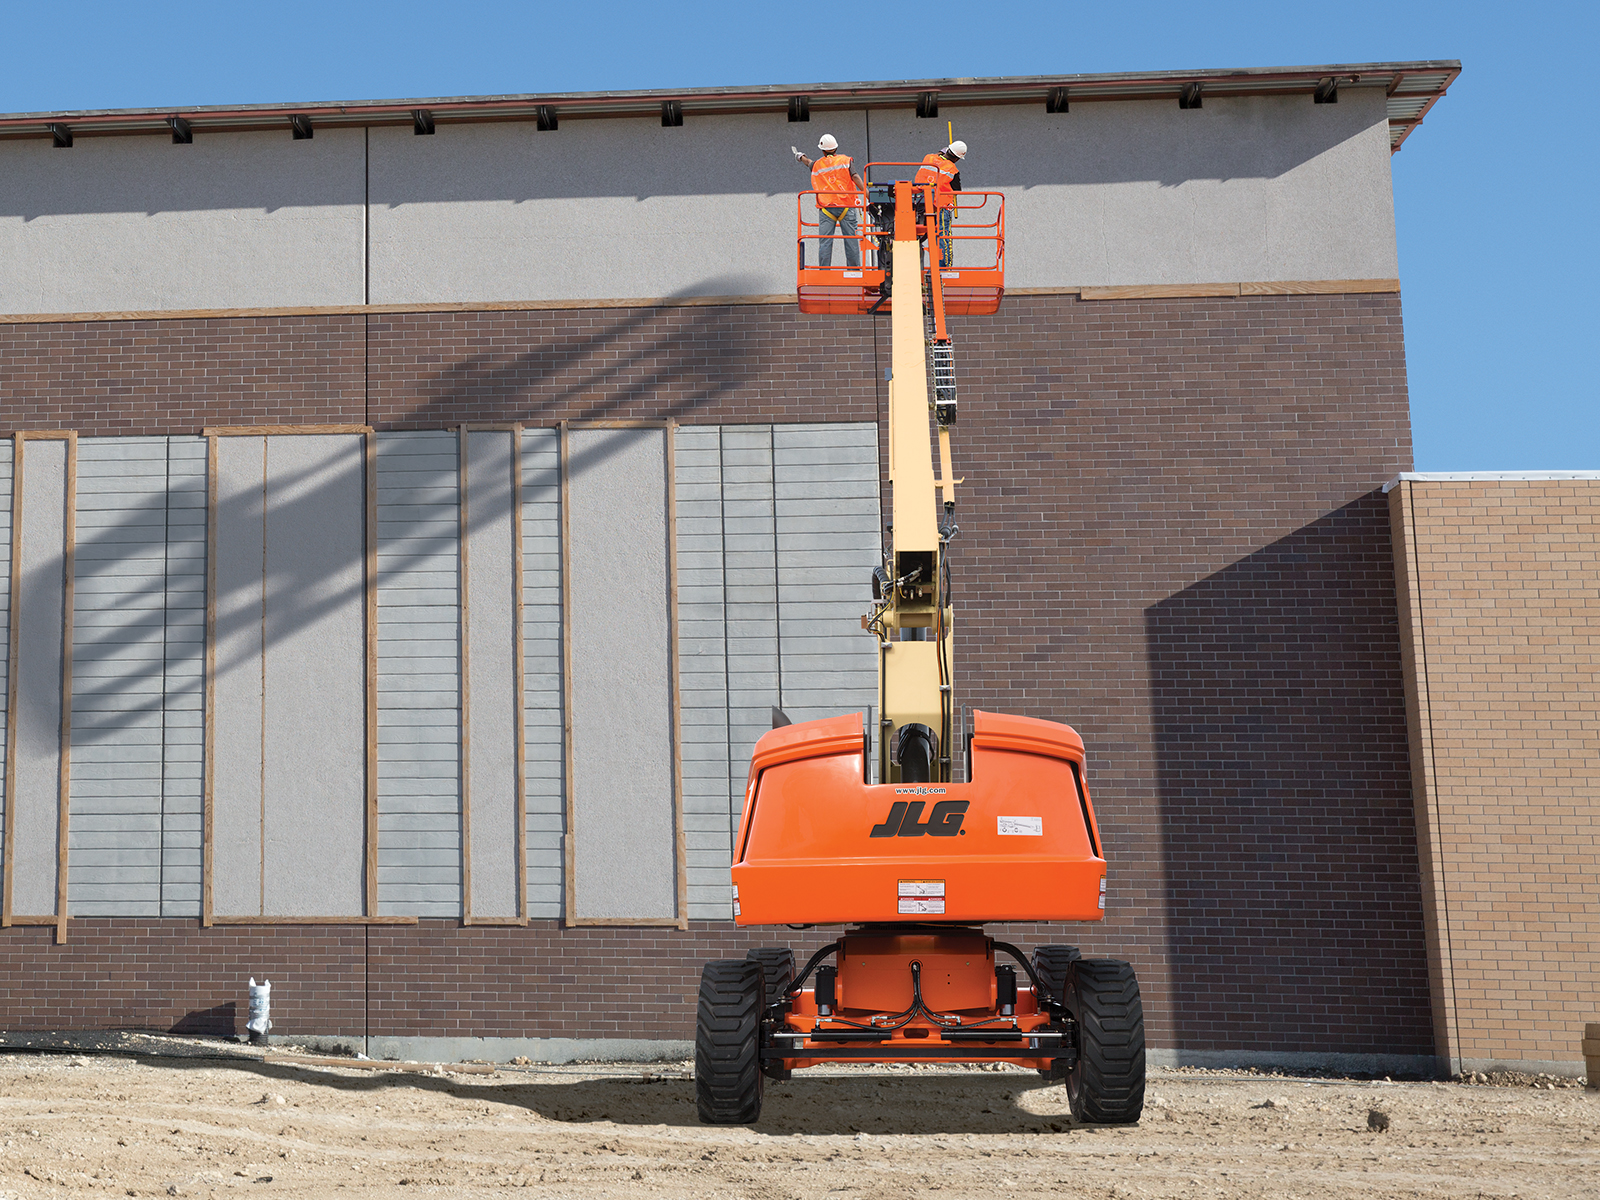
(1496, 195)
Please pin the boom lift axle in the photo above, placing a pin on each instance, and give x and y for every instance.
(917, 862)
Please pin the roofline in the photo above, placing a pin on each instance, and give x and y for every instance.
(1484, 477)
(1414, 99)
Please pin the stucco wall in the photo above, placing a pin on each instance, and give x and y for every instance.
(1126, 192)
(236, 219)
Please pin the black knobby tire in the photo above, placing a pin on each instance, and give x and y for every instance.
(1106, 1085)
(1053, 964)
(777, 964)
(727, 1042)
(777, 968)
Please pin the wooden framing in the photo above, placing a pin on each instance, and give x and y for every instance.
(370, 547)
(208, 734)
(680, 855)
(464, 649)
(69, 556)
(681, 848)
(1310, 287)
(216, 920)
(279, 430)
(569, 850)
(519, 750)
(1163, 291)
(356, 310)
(519, 678)
(208, 914)
(57, 920)
(14, 622)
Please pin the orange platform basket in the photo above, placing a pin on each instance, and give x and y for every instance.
(973, 281)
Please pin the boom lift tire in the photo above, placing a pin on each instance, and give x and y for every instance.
(1106, 1085)
(777, 963)
(1053, 964)
(777, 966)
(727, 1042)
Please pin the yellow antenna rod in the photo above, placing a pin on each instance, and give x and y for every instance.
(950, 128)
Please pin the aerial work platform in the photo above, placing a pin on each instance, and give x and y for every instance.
(869, 821)
(973, 281)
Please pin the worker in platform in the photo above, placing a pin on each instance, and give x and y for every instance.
(942, 169)
(839, 191)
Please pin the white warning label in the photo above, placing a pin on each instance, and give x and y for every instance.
(922, 904)
(922, 887)
(1020, 826)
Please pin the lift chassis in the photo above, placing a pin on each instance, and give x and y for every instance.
(914, 864)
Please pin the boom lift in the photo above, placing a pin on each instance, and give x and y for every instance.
(915, 864)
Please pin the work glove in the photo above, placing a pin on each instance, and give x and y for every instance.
(798, 157)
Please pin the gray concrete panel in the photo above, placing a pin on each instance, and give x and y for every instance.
(314, 733)
(543, 701)
(6, 450)
(829, 538)
(622, 786)
(492, 732)
(1140, 192)
(183, 692)
(419, 714)
(703, 672)
(595, 210)
(237, 809)
(36, 824)
(114, 854)
(234, 220)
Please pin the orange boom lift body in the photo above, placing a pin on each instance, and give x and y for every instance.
(915, 864)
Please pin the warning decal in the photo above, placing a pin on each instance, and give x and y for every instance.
(921, 896)
(1020, 826)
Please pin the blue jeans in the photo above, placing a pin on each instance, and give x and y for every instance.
(829, 219)
(945, 215)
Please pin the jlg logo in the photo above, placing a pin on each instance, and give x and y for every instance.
(905, 819)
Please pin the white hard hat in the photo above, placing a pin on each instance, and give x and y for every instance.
(828, 142)
(959, 149)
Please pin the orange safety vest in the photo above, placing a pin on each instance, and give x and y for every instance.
(939, 171)
(830, 179)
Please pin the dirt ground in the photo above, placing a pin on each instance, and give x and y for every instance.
(109, 1125)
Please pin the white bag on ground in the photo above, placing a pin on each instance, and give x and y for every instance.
(260, 1009)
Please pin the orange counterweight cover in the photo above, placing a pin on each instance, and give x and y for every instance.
(817, 846)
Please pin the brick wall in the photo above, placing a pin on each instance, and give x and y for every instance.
(1172, 538)
(1500, 613)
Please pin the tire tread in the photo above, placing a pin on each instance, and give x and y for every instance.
(1106, 1087)
(727, 1042)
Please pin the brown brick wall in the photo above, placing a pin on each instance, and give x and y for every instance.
(432, 979)
(1171, 538)
(1501, 608)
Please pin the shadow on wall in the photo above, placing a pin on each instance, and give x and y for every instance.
(683, 369)
(1293, 896)
(221, 1020)
(737, 156)
(589, 378)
